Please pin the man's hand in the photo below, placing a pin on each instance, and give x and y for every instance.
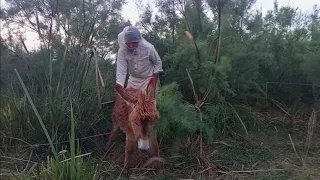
(117, 85)
(154, 79)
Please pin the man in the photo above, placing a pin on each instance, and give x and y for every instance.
(139, 58)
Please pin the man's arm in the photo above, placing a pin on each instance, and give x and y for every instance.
(122, 65)
(155, 58)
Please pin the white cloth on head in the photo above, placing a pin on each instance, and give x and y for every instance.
(140, 63)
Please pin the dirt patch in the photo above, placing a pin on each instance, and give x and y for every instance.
(186, 166)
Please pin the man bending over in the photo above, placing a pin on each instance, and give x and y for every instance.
(139, 58)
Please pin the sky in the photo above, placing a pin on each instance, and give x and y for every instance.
(130, 11)
(265, 5)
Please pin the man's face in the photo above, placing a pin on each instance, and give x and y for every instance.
(132, 45)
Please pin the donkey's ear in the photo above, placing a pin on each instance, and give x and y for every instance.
(124, 94)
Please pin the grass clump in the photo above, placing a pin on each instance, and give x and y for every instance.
(64, 165)
(274, 175)
(241, 155)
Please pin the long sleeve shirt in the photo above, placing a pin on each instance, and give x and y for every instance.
(141, 64)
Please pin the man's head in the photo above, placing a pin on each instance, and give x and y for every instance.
(132, 38)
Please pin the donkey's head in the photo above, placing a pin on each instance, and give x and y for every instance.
(143, 115)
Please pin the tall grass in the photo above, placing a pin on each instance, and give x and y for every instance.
(52, 102)
(50, 84)
(63, 165)
(38, 116)
(73, 167)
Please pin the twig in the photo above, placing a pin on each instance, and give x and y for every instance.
(192, 85)
(143, 169)
(311, 125)
(108, 102)
(81, 155)
(294, 148)
(97, 80)
(222, 142)
(101, 79)
(198, 108)
(190, 37)
(108, 151)
(45, 144)
(18, 140)
(7, 157)
(252, 171)
(204, 170)
(28, 161)
(219, 33)
(302, 84)
(242, 123)
(125, 165)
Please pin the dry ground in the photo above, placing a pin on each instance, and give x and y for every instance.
(272, 152)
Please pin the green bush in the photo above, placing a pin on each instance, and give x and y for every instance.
(177, 119)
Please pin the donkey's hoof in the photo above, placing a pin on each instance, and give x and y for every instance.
(158, 165)
(126, 173)
(155, 163)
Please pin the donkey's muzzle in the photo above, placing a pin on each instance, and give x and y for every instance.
(143, 150)
(143, 145)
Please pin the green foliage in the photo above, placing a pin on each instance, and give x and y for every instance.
(177, 119)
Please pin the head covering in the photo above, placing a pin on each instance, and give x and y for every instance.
(132, 35)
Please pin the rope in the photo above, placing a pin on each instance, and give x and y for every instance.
(46, 144)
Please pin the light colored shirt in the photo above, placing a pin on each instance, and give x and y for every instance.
(141, 64)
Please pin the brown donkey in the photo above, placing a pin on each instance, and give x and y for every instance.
(135, 113)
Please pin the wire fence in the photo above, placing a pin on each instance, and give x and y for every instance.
(283, 83)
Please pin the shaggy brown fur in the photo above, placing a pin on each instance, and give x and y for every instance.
(135, 113)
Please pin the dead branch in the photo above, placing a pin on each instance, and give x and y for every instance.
(252, 171)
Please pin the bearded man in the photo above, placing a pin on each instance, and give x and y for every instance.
(139, 59)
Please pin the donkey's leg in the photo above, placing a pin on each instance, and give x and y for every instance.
(156, 162)
(130, 149)
(154, 149)
(113, 135)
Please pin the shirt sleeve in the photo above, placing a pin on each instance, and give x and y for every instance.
(155, 58)
(122, 64)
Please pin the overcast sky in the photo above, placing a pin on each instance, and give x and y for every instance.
(265, 5)
(131, 12)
